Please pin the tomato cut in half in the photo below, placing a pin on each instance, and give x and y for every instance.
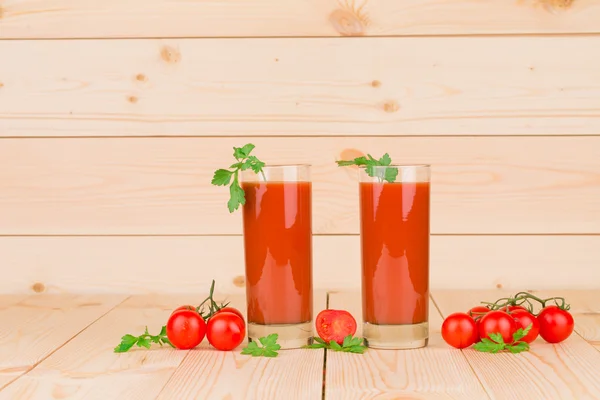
(335, 325)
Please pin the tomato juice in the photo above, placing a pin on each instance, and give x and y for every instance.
(395, 252)
(394, 234)
(278, 251)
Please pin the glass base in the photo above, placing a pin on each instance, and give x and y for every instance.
(291, 336)
(396, 337)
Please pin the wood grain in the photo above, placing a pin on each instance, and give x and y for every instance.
(563, 371)
(87, 368)
(188, 264)
(34, 327)
(488, 185)
(293, 374)
(395, 86)
(159, 18)
(433, 372)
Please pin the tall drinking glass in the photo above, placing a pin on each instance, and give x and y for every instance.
(394, 222)
(278, 253)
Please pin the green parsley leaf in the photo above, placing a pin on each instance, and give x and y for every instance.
(496, 337)
(496, 344)
(391, 174)
(144, 340)
(316, 346)
(369, 162)
(269, 347)
(385, 160)
(349, 345)
(335, 346)
(488, 346)
(270, 353)
(319, 340)
(237, 195)
(243, 152)
(223, 177)
(519, 347)
(520, 333)
(356, 349)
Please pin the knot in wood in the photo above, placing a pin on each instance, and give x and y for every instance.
(170, 54)
(391, 106)
(564, 4)
(239, 281)
(38, 287)
(351, 154)
(347, 22)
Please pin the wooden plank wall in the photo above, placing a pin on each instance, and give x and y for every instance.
(114, 114)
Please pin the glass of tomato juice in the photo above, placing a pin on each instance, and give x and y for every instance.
(277, 219)
(394, 231)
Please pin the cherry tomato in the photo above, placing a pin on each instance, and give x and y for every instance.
(225, 331)
(513, 308)
(231, 310)
(478, 311)
(186, 307)
(335, 325)
(555, 324)
(498, 322)
(524, 318)
(460, 330)
(186, 329)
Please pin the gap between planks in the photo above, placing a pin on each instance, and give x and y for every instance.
(85, 367)
(433, 372)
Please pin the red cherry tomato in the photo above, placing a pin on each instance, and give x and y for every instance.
(478, 311)
(225, 331)
(524, 318)
(231, 310)
(498, 322)
(335, 325)
(513, 308)
(555, 324)
(460, 330)
(186, 307)
(185, 329)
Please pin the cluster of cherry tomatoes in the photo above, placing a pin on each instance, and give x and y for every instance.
(554, 323)
(225, 328)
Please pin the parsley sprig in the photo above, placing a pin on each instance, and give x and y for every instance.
(223, 177)
(144, 340)
(350, 345)
(389, 174)
(268, 349)
(496, 342)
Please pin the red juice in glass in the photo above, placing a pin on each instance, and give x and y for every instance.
(395, 257)
(278, 253)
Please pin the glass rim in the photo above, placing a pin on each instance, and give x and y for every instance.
(396, 166)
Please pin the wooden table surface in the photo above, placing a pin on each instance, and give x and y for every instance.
(61, 347)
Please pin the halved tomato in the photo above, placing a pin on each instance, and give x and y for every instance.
(335, 325)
